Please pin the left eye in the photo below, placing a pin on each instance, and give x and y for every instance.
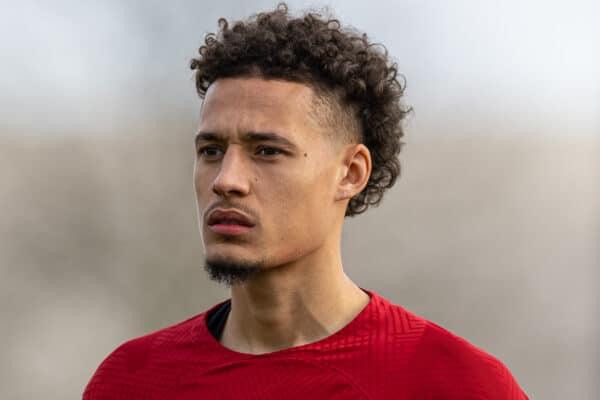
(268, 151)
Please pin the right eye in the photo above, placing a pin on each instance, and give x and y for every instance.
(210, 152)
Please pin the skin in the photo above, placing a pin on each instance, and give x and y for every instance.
(296, 194)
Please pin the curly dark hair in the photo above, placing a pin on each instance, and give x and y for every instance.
(342, 66)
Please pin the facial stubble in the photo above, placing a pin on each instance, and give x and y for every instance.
(229, 272)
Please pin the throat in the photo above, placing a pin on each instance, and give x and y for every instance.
(256, 328)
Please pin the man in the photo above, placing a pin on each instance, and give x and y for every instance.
(299, 128)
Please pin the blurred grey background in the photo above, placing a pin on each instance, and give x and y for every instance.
(493, 230)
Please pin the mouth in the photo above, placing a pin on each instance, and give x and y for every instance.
(231, 229)
(229, 222)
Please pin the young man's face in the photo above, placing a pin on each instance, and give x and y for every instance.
(265, 173)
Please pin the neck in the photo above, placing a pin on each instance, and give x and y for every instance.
(292, 305)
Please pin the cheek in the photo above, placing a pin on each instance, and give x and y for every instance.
(301, 203)
(202, 185)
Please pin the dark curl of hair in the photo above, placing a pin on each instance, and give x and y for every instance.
(320, 53)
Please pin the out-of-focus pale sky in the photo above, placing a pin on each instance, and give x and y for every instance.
(78, 67)
(491, 231)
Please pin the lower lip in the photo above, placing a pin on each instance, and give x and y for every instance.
(224, 229)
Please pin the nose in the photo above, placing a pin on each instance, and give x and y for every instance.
(232, 179)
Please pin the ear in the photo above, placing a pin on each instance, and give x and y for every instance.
(355, 170)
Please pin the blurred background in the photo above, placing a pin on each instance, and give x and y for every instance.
(493, 230)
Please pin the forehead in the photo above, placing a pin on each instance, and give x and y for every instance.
(256, 103)
(256, 90)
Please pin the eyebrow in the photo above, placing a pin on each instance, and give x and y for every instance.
(248, 137)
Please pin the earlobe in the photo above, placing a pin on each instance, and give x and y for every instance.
(355, 171)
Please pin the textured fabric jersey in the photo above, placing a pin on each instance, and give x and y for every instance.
(386, 352)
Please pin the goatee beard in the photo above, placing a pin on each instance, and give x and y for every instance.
(228, 272)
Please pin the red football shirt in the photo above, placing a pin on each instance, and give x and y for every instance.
(386, 352)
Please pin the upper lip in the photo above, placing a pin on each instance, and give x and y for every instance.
(221, 215)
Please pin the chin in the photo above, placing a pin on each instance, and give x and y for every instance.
(230, 270)
(227, 251)
(230, 253)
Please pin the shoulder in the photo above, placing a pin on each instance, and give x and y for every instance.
(393, 319)
(455, 366)
(144, 363)
(135, 353)
(443, 364)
